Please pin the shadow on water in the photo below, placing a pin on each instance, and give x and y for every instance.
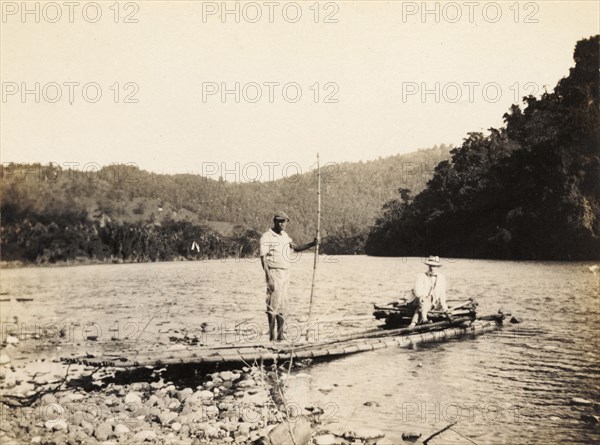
(186, 375)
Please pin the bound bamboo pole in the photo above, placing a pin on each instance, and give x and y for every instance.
(312, 286)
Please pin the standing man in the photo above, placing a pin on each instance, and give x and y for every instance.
(275, 256)
(429, 292)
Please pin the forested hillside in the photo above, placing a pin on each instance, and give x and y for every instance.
(529, 190)
(120, 213)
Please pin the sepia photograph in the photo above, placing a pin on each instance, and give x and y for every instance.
(301, 222)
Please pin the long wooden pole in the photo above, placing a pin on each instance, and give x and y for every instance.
(312, 287)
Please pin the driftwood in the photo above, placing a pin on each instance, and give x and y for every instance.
(24, 401)
(437, 433)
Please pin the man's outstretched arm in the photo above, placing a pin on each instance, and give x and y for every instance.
(304, 247)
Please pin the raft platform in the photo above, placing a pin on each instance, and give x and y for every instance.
(269, 352)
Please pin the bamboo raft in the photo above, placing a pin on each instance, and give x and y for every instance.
(240, 353)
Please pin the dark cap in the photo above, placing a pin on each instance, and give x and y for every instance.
(281, 216)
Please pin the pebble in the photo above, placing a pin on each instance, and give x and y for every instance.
(298, 431)
(168, 388)
(11, 340)
(167, 417)
(87, 427)
(326, 389)
(202, 395)
(184, 394)
(134, 398)
(326, 439)
(248, 383)
(211, 431)
(24, 388)
(182, 419)
(143, 436)
(245, 428)
(139, 386)
(103, 431)
(174, 404)
(240, 438)
(176, 426)
(152, 400)
(363, 434)
(49, 398)
(229, 426)
(4, 359)
(157, 385)
(70, 398)
(56, 425)
(121, 429)
(337, 429)
(185, 431)
(211, 411)
(226, 375)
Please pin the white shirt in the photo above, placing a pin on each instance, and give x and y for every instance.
(277, 249)
(433, 286)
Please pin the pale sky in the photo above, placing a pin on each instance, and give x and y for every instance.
(374, 59)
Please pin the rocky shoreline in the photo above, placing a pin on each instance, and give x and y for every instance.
(87, 406)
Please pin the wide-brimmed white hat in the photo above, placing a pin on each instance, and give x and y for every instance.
(433, 261)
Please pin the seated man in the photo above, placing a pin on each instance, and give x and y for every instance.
(429, 292)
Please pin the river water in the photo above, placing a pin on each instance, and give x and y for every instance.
(513, 386)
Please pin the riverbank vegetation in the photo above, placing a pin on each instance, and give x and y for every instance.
(54, 214)
(529, 190)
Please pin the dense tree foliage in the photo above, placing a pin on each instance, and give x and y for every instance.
(530, 190)
(120, 213)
